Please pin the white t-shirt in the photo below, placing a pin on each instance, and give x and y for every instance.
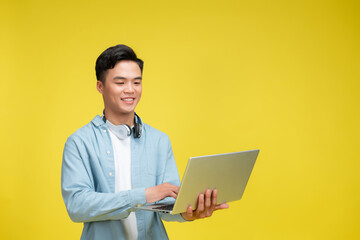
(122, 156)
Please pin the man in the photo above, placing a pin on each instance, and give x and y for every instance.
(116, 162)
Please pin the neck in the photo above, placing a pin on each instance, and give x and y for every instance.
(120, 118)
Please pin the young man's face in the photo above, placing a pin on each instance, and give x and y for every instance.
(122, 88)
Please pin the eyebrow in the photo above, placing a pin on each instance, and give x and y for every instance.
(123, 78)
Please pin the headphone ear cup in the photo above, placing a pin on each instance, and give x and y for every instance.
(136, 130)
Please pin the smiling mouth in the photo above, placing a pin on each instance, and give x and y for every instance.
(129, 100)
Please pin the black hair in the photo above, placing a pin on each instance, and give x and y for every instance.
(111, 56)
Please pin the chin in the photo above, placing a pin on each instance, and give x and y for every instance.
(128, 111)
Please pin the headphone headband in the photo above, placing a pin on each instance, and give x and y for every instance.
(136, 130)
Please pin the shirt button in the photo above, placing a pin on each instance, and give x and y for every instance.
(108, 152)
(110, 174)
(104, 130)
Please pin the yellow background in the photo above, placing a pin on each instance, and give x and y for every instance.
(219, 76)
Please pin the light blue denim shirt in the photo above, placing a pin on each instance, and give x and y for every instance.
(88, 181)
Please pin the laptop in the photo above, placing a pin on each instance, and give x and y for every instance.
(228, 173)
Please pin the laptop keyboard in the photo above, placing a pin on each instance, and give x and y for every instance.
(165, 207)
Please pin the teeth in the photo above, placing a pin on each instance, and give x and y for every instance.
(128, 99)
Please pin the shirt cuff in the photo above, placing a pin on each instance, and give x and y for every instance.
(179, 218)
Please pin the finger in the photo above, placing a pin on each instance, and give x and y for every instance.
(214, 197)
(207, 198)
(221, 206)
(189, 211)
(200, 207)
(173, 194)
(171, 186)
(175, 189)
(208, 210)
(213, 202)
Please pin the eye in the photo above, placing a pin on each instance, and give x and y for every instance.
(120, 83)
(137, 83)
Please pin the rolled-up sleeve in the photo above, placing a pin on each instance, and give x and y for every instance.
(82, 202)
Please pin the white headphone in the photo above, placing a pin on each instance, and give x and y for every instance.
(123, 131)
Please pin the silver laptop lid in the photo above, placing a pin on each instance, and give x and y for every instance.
(228, 173)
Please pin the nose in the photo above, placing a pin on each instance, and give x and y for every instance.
(129, 88)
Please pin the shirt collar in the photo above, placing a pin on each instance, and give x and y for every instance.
(98, 121)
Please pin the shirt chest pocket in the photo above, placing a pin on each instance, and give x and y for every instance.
(154, 164)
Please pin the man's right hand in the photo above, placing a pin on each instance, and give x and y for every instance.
(156, 193)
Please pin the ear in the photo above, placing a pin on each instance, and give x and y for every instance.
(100, 87)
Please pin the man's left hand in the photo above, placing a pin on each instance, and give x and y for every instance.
(206, 206)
